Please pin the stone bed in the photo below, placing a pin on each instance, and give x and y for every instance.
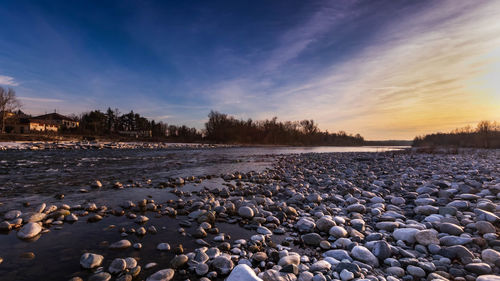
(346, 216)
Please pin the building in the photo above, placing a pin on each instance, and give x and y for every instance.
(27, 125)
(20, 123)
(61, 121)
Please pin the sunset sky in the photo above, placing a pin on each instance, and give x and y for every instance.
(384, 69)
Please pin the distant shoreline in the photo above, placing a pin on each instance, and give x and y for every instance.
(118, 138)
(75, 145)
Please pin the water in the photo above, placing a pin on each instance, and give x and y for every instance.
(47, 172)
(36, 176)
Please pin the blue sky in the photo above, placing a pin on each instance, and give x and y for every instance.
(385, 69)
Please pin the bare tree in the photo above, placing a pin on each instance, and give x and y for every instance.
(8, 103)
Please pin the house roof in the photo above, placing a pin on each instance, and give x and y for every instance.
(27, 121)
(54, 116)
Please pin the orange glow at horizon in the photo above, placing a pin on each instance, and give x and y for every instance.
(431, 81)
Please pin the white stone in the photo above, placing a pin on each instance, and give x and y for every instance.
(29, 230)
(243, 272)
(363, 254)
(405, 234)
(346, 275)
(89, 260)
(162, 275)
(117, 266)
(122, 244)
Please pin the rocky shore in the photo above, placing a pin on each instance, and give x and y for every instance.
(100, 145)
(319, 216)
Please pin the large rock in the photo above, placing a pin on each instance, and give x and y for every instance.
(117, 266)
(451, 240)
(179, 261)
(245, 212)
(338, 254)
(387, 225)
(130, 262)
(490, 256)
(290, 259)
(305, 276)
(29, 230)
(427, 237)
(259, 256)
(381, 250)
(264, 230)
(163, 247)
(396, 271)
(275, 275)
(305, 225)
(162, 275)
(10, 215)
(398, 200)
(484, 227)
(457, 252)
(312, 239)
(459, 204)
(122, 244)
(199, 232)
(451, 228)
(488, 278)
(320, 266)
(338, 232)
(478, 268)
(223, 265)
(405, 234)
(363, 254)
(483, 215)
(357, 208)
(426, 210)
(416, 271)
(243, 272)
(89, 260)
(324, 224)
(33, 217)
(201, 269)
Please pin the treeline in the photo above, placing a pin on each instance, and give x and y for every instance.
(112, 122)
(222, 128)
(485, 135)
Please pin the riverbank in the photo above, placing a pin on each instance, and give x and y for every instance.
(325, 216)
(66, 141)
(45, 145)
(76, 145)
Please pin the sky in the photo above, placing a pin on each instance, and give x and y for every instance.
(385, 69)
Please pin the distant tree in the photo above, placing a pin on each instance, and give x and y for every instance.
(308, 126)
(8, 103)
(222, 128)
(216, 126)
(485, 129)
(110, 120)
(94, 121)
(486, 135)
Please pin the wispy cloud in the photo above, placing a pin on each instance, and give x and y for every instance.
(161, 117)
(416, 76)
(296, 40)
(254, 93)
(381, 68)
(8, 81)
(44, 100)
